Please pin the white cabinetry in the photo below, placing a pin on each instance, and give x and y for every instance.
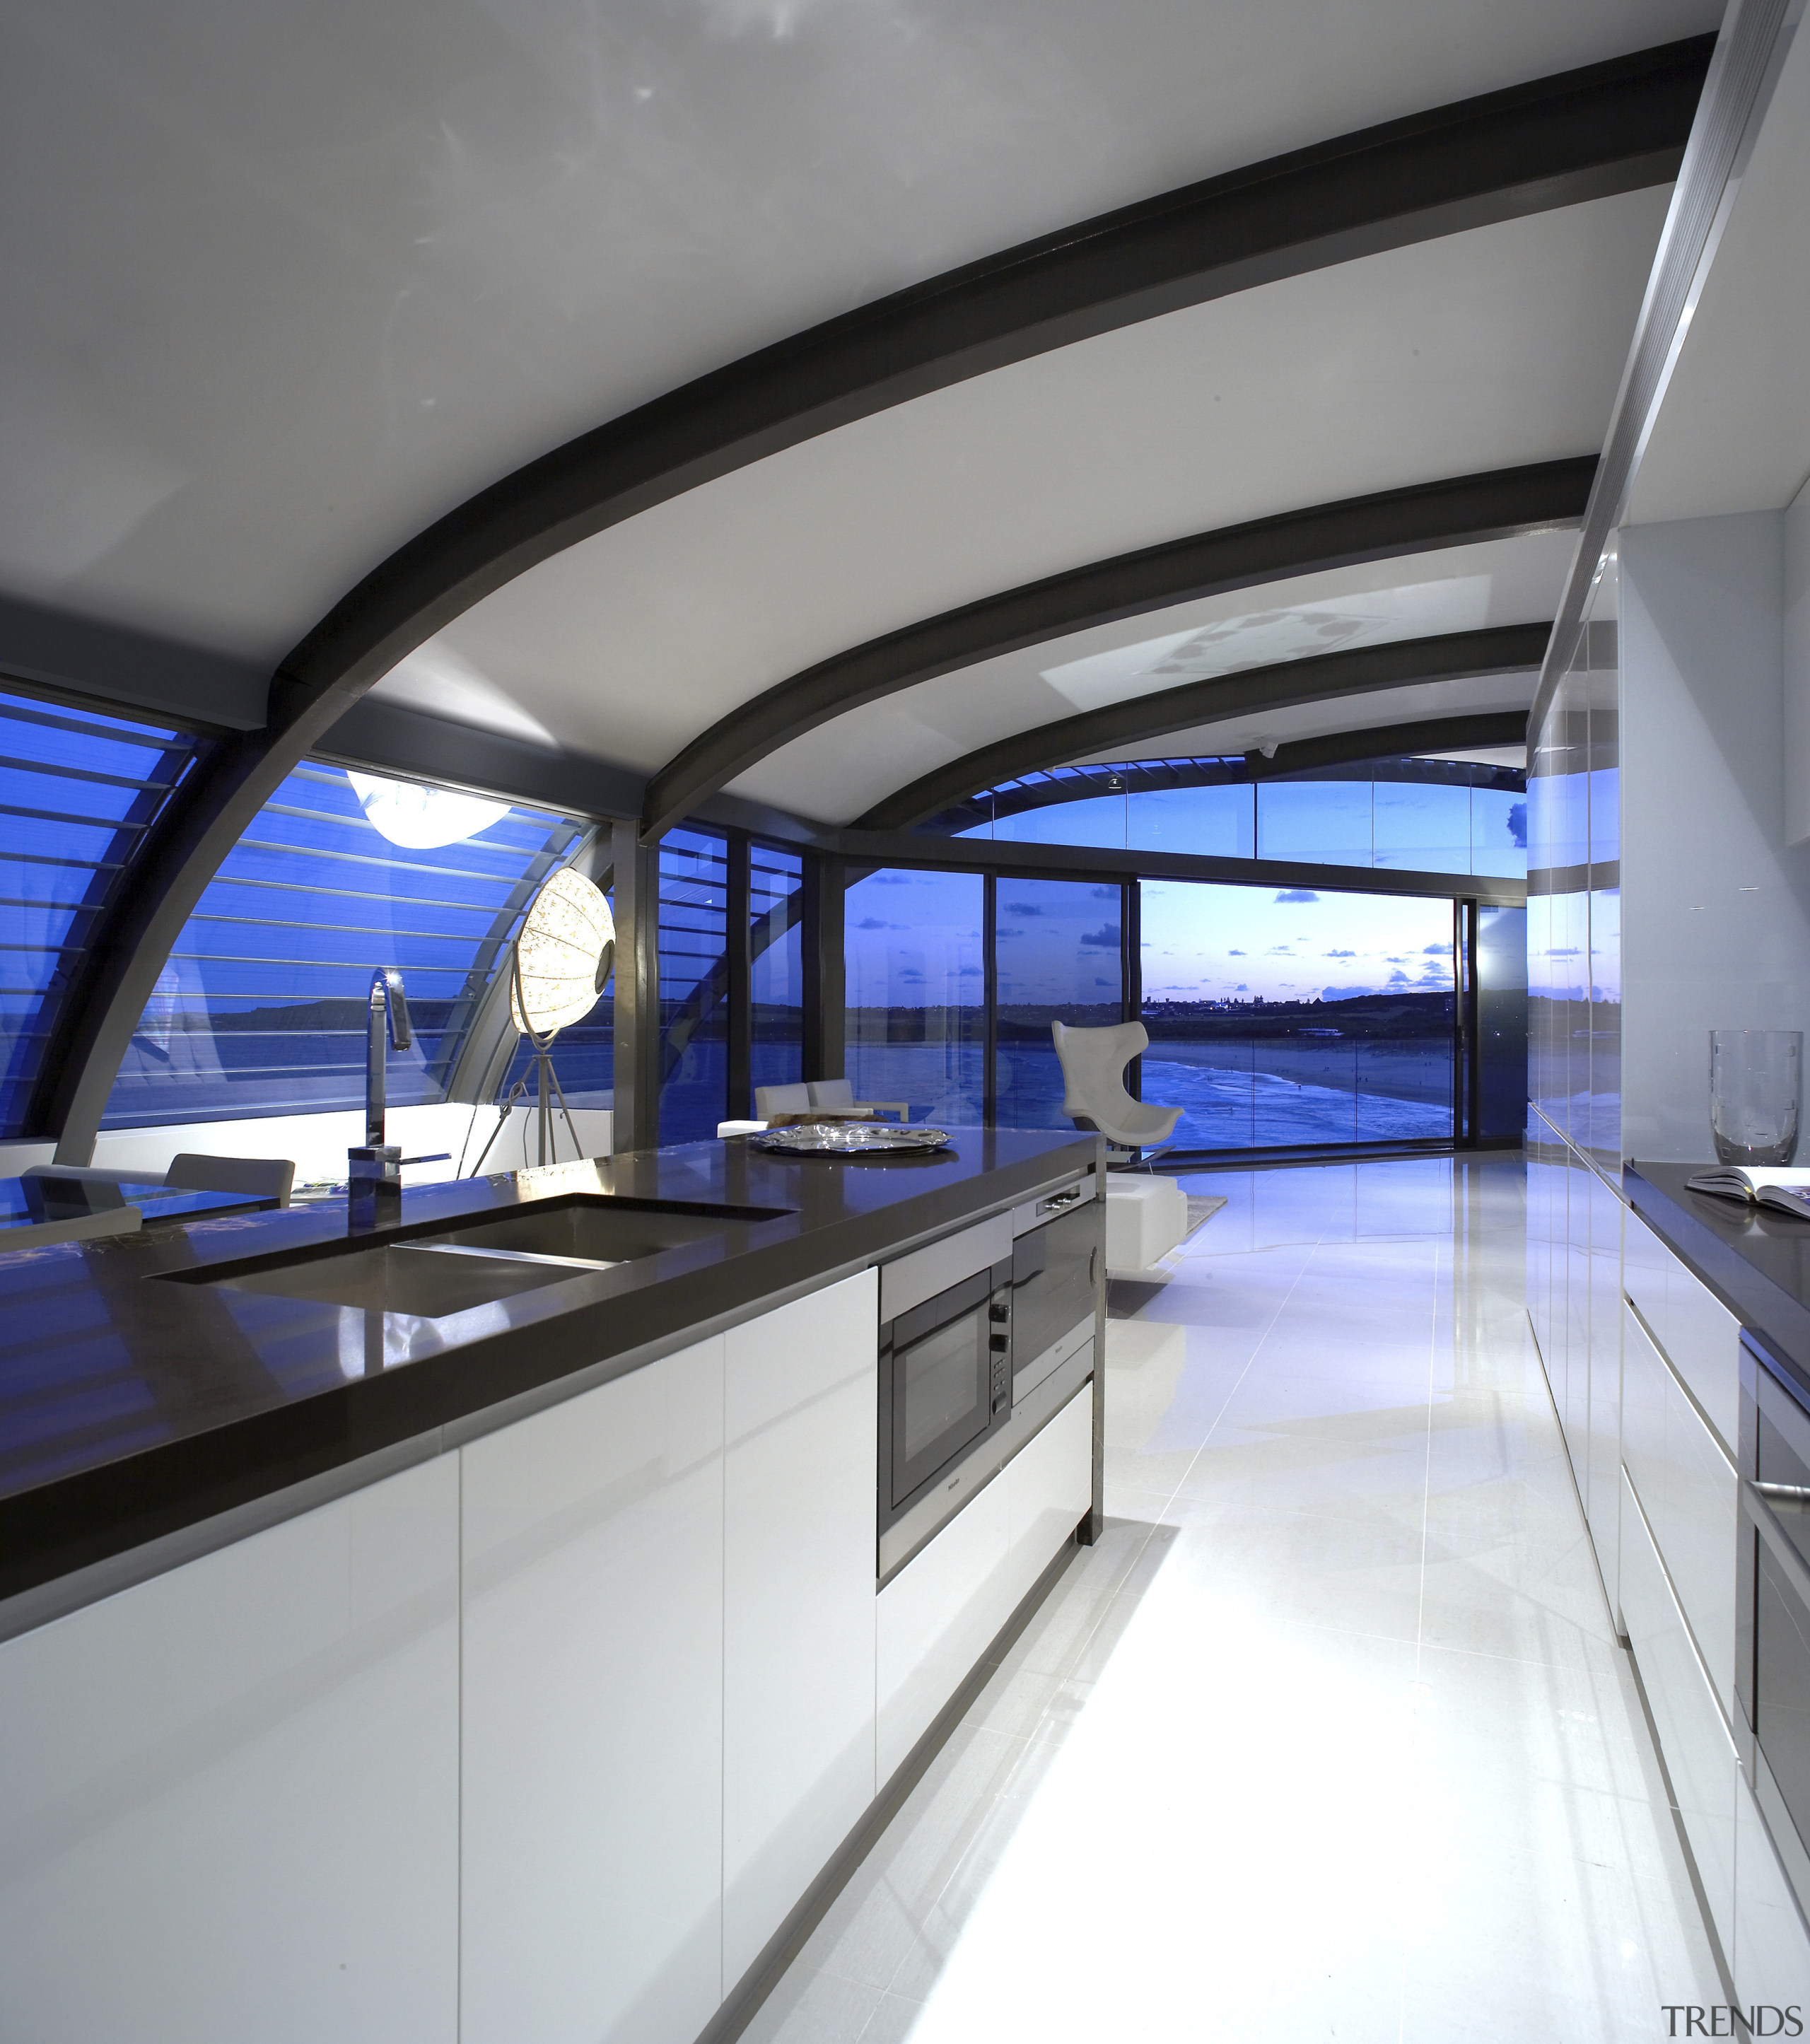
(802, 1400)
(593, 1732)
(939, 1614)
(229, 1796)
(1770, 1957)
(1699, 1756)
(1687, 1489)
(1699, 1335)
(1602, 1492)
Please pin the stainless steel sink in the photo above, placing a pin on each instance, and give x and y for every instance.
(400, 1278)
(599, 1230)
(437, 1271)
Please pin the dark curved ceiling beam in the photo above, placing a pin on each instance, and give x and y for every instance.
(1392, 741)
(1451, 656)
(1459, 511)
(1379, 745)
(1585, 134)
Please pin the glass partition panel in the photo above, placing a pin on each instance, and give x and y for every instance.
(1501, 1020)
(262, 1005)
(1096, 821)
(1326, 823)
(915, 977)
(1213, 822)
(1423, 826)
(1499, 831)
(1057, 957)
(77, 792)
(1290, 1017)
(776, 971)
(694, 1009)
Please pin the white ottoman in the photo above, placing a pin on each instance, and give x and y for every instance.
(1146, 1217)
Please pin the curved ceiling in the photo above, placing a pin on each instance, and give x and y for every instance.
(1480, 350)
(303, 279)
(844, 767)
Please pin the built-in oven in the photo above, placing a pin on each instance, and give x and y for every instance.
(984, 1337)
(945, 1361)
(1056, 1251)
(1772, 1661)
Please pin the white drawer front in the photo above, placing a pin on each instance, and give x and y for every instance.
(1689, 1491)
(936, 1618)
(1771, 1953)
(1051, 1486)
(1700, 1757)
(1698, 1333)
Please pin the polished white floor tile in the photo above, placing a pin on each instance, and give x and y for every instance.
(1329, 1736)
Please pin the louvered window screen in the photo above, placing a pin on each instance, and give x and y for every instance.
(78, 791)
(261, 1007)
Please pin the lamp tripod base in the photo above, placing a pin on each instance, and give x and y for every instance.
(546, 1092)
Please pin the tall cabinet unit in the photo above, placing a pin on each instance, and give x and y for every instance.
(1662, 747)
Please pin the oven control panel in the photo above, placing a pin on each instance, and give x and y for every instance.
(999, 1341)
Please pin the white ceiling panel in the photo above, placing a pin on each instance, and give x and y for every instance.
(1483, 350)
(1471, 697)
(291, 281)
(1734, 433)
(838, 771)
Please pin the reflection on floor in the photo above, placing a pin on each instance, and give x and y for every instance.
(1330, 1736)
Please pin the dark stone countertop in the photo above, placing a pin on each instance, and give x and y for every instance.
(1757, 1262)
(131, 1408)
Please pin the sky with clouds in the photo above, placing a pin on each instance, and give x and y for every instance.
(914, 940)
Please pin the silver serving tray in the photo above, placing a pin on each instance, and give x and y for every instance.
(848, 1139)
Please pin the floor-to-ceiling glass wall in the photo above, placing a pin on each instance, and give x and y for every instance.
(1281, 1017)
(914, 962)
(694, 1009)
(1058, 957)
(776, 972)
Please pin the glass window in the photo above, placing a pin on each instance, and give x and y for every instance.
(1422, 825)
(1057, 957)
(1499, 831)
(1501, 1020)
(1320, 822)
(77, 791)
(261, 1007)
(1292, 1016)
(693, 926)
(1215, 822)
(917, 992)
(776, 972)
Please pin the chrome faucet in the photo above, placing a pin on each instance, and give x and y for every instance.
(374, 1172)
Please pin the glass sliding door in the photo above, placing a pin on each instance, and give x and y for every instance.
(1058, 957)
(1295, 1017)
(915, 977)
(694, 1006)
(776, 971)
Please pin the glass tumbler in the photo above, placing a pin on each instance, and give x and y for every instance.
(1753, 1094)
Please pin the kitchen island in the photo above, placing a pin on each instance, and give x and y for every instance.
(520, 1670)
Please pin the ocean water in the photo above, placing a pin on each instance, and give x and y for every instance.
(1312, 1093)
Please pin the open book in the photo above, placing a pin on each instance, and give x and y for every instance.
(1760, 1184)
